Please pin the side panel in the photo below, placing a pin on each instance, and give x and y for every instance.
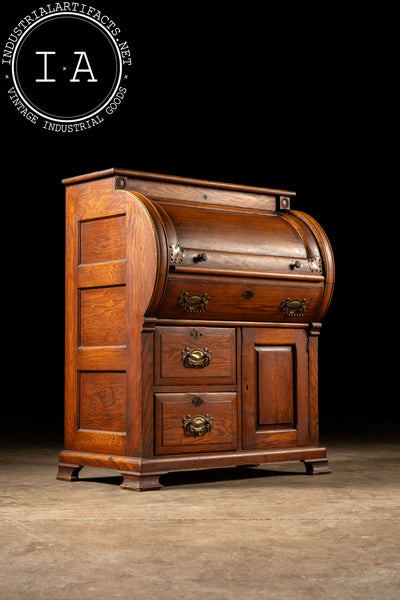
(96, 319)
(111, 265)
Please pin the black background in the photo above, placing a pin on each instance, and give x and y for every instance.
(256, 96)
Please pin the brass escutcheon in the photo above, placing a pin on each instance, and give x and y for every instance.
(198, 425)
(315, 264)
(194, 302)
(196, 358)
(195, 333)
(197, 400)
(176, 253)
(294, 308)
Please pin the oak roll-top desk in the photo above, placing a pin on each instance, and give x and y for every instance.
(193, 310)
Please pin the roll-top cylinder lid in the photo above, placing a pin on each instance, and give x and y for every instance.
(235, 232)
(234, 242)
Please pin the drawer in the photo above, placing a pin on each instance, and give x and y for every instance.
(242, 299)
(193, 355)
(195, 422)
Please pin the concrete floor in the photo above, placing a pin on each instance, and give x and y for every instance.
(271, 532)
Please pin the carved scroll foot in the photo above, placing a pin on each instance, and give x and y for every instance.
(141, 482)
(68, 472)
(317, 466)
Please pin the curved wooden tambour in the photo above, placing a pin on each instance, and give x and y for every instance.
(247, 262)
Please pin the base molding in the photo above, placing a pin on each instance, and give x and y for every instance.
(142, 474)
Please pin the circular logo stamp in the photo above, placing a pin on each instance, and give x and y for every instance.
(67, 66)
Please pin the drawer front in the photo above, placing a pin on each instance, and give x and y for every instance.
(242, 299)
(195, 422)
(192, 355)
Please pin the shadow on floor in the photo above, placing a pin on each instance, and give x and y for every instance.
(202, 476)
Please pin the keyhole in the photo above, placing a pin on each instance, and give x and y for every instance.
(248, 294)
(195, 333)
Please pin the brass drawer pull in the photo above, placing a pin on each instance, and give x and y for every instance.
(294, 308)
(198, 425)
(196, 358)
(194, 302)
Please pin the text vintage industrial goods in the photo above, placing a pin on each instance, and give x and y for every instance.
(67, 66)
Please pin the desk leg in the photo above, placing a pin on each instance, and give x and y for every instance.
(68, 472)
(141, 482)
(317, 466)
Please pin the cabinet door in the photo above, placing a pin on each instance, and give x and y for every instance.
(275, 394)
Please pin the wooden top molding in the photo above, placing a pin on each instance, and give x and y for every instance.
(175, 180)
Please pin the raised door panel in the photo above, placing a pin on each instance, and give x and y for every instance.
(275, 388)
